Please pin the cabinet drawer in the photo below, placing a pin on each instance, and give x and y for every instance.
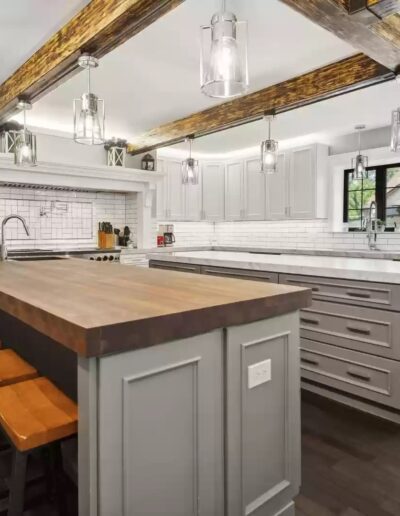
(374, 378)
(271, 277)
(356, 327)
(362, 293)
(174, 266)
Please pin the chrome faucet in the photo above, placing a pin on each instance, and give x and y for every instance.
(3, 251)
(372, 226)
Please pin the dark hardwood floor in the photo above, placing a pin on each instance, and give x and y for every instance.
(350, 462)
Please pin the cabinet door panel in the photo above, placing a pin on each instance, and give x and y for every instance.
(263, 422)
(162, 192)
(192, 202)
(176, 192)
(213, 189)
(233, 190)
(302, 179)
(276, 193)
(161, 429)
(254, 190)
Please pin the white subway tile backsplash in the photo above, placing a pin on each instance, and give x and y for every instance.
(294, 234)
(60, 219)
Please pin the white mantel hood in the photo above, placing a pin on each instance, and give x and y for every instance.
(100, 178)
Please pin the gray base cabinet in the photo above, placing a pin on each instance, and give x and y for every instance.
(263, 423)
(177, 430)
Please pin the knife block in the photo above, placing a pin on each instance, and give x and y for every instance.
(105, 240)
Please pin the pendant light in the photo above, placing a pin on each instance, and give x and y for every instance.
(269, 149)
(25, 143)
(223, 58)
(190, 167)
(359, 164)
(89, 110)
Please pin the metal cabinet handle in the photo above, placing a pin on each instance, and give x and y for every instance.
(359, 329)
(299, 282)
(359, 375)
(363, 295)
(311, 361)
(309, 320)
(315, 289)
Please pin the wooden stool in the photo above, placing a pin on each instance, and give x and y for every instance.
(14, 369)
(34, 414)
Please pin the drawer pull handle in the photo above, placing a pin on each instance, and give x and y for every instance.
(315, 289)
(360, 376)
(307, 360)
(309, 320)
(359, 329)
(363, 295)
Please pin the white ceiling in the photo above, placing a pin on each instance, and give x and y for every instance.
(154, 77)
(26, 24)
(321, 122)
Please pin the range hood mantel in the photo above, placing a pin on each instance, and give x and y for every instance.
(77, 177)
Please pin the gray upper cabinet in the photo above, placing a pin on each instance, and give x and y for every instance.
(234, 190)
(276, 191)
(254, 190)
(192, 202)
(176, 192)
(213, 190)
(302, 183)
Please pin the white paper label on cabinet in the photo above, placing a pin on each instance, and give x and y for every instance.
(259, 373)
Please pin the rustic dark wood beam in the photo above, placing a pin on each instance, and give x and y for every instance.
(335, 79)
(358, 23)
(98, 28)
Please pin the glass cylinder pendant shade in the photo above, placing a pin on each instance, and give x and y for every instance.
(25, 149)
(395, 136)
(89, 120)
(190, 171)
(269, 156)
(223, 59)
(359, 165)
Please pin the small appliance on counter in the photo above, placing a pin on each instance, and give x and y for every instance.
(166, 237)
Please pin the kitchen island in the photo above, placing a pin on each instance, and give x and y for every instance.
(188, 386)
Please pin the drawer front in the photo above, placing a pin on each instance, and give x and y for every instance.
(174, 266)
(271, 277)
(353, 327)
(374, 378)
(362, 293)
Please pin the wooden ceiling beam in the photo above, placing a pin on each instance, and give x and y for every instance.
(98, 28)
(370, 26)
(350, 74)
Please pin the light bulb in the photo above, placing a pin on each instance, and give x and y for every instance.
(269, 158)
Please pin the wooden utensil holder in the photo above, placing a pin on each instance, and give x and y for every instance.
(105, 240)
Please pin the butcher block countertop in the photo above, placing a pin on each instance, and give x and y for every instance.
(98, 308)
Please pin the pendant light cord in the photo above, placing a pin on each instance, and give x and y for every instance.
(89, 85)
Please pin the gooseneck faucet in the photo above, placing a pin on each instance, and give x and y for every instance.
(372, 226)
(3, 252)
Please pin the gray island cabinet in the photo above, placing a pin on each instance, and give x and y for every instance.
(188, 385)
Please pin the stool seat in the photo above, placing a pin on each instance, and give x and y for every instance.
(35, 412)
(14, 369)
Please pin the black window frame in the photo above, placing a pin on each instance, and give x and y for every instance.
(380, 191)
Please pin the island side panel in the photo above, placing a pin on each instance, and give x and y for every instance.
(263, 422)
(160, 415)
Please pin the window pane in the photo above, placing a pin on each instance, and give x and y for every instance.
(354, 184)
(355, 219)
(393, 178)
(393, 206)
(367, 197)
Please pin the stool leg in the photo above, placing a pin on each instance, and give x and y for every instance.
(60, 485)
(17, 488)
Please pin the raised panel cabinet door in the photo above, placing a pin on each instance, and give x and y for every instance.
(263, 420)
(234, 190)
(254, 190)
(160, 437)
(276, 191)
(213, 190)
(176, 192)
(192, 202)
(302, 183)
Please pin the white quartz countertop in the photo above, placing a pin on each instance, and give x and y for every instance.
(365, 269)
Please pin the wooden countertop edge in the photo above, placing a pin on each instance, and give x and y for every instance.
(141, 334)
